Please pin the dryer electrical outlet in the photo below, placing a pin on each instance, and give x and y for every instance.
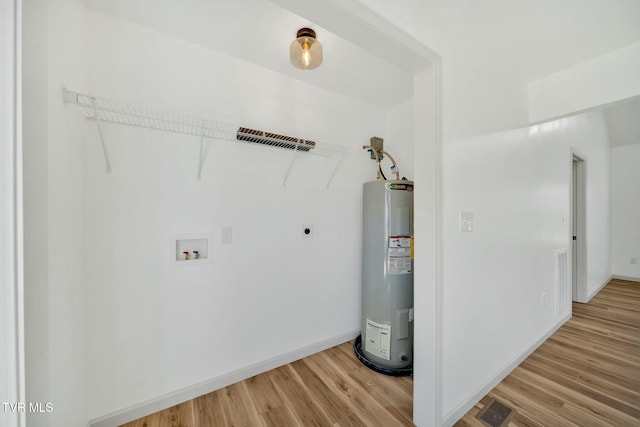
(307, 231)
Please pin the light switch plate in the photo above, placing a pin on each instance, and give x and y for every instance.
(466, 222)
(226, 235)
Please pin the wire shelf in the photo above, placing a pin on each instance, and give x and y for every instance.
(105, 110)
(117, 112)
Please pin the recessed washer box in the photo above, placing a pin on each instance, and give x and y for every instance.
(202, 243)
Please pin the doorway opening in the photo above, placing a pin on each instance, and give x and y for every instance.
(578, 229)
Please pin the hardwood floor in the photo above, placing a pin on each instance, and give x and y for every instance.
(330, 388)
(586, 374)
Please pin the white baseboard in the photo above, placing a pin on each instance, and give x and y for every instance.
(629, 278)
(163, 402)
(594, 293)
(458, 412)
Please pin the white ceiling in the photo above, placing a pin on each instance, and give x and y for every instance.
(529, 39)
(259, 32)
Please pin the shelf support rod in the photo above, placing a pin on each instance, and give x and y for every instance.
(201, 161)
(293, 159)
(104, 147)
(335, 169)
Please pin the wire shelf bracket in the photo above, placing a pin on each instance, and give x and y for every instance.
(103, 110)
(202, 153)
(293, 159)
(104, 147)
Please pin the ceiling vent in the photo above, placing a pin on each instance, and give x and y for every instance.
(254, 136)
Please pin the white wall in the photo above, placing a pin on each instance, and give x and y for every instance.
(55, 319)
(156, 328)
(67, 250)
(625, 211)
(603, 80)
(35, 154)
(400, 137)
(516, 183)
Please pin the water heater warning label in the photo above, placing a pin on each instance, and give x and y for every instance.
(400, 255)
(400, 242)
(399, 265)
(378, 339)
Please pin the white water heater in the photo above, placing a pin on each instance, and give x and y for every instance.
(386, 343)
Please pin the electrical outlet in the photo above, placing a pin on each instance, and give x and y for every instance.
(543, 299)
(307, 231)
(633, 260)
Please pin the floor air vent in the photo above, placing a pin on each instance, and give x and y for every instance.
(495, 414)
(254, 136)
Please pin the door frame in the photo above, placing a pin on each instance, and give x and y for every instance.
(578, 220)
(12, 375)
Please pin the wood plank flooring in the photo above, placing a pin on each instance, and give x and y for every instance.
(586, 374)
(330, 388)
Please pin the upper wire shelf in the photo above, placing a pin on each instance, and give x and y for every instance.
(118, 112)
(105, 110)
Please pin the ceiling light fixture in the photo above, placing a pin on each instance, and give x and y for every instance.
(305, 51)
